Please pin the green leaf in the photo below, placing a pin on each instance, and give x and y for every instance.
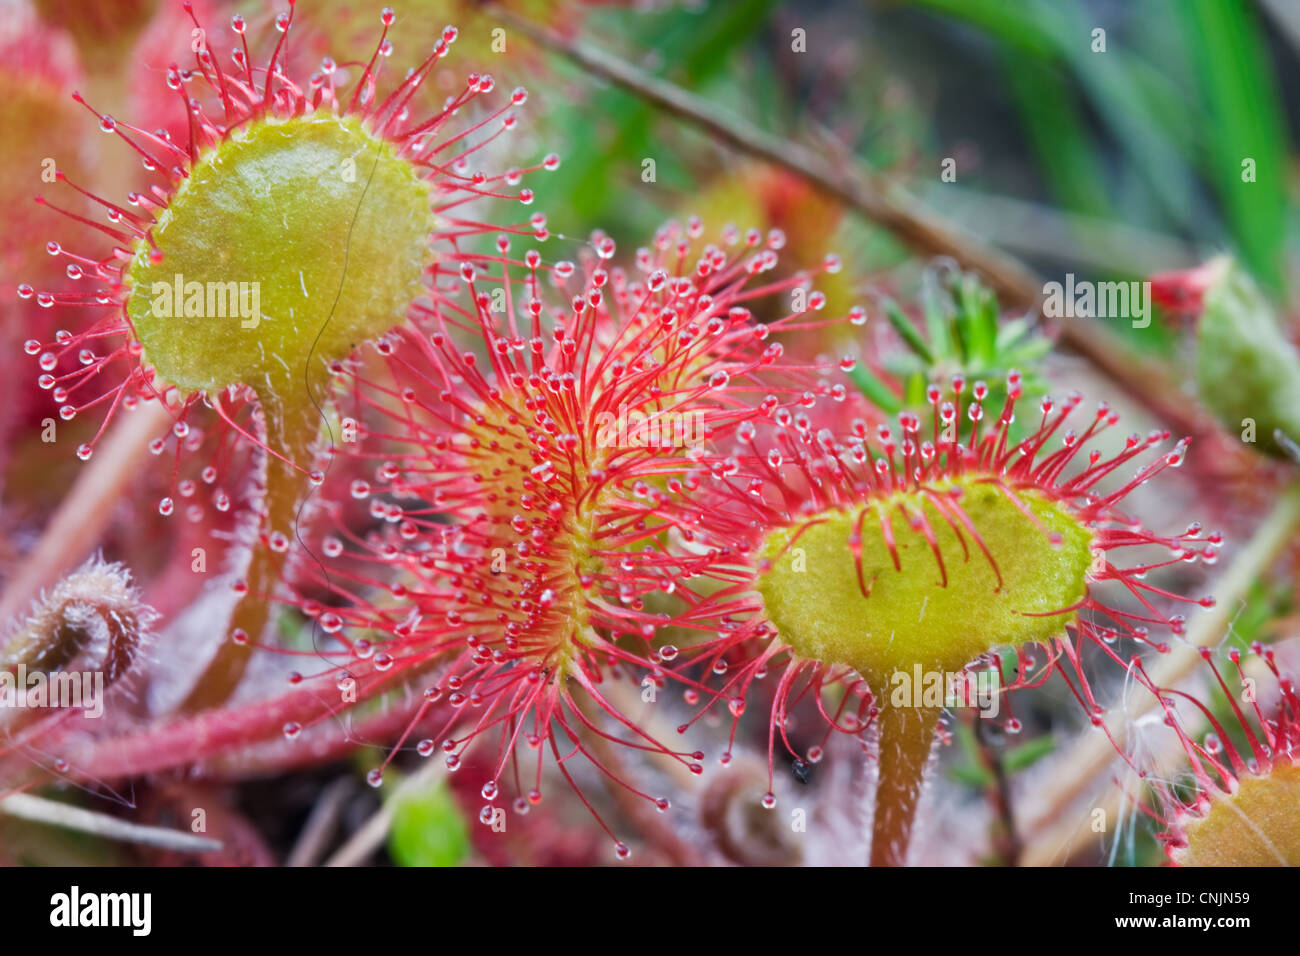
(1244, 122)
(428, 829)
(903, 326)
(877, 391)
(1029, 753)
(936, 322)
(1063, 145)
(971, 770)
(999, 19)
(1058, 34)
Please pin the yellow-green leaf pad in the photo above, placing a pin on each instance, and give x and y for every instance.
(813, 596)
(1258, 825)
(321, 217)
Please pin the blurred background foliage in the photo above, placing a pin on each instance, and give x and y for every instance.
(1111, 156)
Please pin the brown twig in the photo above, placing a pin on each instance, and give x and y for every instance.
(877, 198)
(321, 823)
(1031, 228)
(39, 810)
(891, 206)
(1007, 842)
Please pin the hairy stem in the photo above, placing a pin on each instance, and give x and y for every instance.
(1006, 837)
(293, 435)
(906, 735)
(202, 738)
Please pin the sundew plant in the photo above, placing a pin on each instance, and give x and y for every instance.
(649, 434)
